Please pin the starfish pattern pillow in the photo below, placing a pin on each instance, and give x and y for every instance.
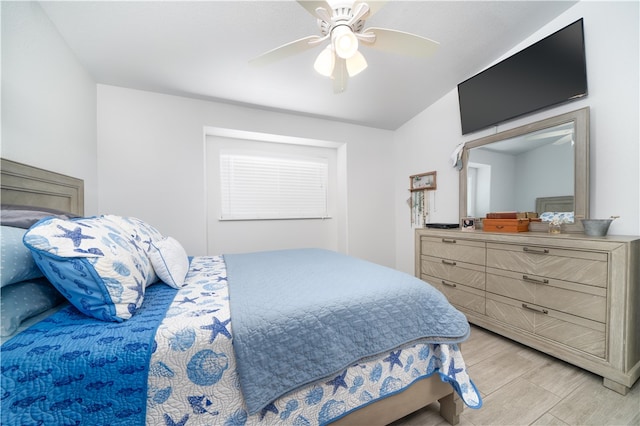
(141, 234)
(93, 262)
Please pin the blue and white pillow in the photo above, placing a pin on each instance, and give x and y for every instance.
(93, 262)
(142, 234)
(558, 217)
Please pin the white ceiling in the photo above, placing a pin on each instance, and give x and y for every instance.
(201, 48)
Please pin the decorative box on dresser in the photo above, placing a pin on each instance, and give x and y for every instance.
(574, 297)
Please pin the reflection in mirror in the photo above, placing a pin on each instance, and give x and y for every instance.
(511, 174)
(539, 167)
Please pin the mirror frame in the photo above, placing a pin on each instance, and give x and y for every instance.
(580, 118)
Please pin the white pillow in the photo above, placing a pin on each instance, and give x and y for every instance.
(170, 261)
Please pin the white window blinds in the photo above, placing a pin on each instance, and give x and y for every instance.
(257, 186)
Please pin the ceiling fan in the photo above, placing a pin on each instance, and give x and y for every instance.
(343, 25)
(562, 134)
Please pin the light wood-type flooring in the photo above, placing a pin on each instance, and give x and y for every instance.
(521, 386)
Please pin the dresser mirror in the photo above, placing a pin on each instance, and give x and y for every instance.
(539, 167)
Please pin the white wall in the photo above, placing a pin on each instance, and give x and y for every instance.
(555, 180)
(237, 236)
(612, 48)
(151, 164)
(503, 186)
(48, 99)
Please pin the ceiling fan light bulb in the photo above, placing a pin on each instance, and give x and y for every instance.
(325, 62)
(344, 41)
(356, 64)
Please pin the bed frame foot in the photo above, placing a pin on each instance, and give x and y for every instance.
(451, 407)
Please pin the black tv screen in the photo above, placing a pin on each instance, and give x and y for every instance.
(546, 73)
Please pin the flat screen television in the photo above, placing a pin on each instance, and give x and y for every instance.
(547, 73)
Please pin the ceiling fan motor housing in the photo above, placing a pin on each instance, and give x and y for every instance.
(340, 16)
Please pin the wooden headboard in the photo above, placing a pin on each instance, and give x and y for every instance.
(555, 204)
(30, 186)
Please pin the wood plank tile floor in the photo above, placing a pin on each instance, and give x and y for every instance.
(521, 386)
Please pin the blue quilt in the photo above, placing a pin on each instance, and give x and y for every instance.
(303, 315)
(47, 380)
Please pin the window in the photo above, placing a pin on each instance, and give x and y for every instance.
(259, 185)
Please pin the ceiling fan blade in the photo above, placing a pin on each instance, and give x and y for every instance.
(360, 10)
(550, 134)
(340, 75)
(399, 42)
(323, 14)
(564, 139)
(286, 50)
(374, 6)
(312, 5)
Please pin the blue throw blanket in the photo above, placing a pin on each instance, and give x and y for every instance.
(301, 315)
(76, 370)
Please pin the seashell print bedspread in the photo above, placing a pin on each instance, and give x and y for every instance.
(193, 378)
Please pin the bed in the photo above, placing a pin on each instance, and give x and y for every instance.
(558, 209)
(564, 203)
(158, 347)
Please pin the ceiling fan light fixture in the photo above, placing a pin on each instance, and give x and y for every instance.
(356, 64)
(344, 41)
(343, 21)
(325, 62)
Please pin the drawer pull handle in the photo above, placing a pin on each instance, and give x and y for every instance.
(448, 262)
(499, 226)
(535, 280)
(530, 250)
(449, 241)
(448, 284)
(540, 311)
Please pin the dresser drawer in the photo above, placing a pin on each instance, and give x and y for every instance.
(455, 271)
(576, 299)
(569, 265)
(461, 296)
(454, 249)
(575, 332)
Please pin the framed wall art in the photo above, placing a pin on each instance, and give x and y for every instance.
(423, 182)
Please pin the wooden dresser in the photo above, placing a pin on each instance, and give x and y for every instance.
(574, 297)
